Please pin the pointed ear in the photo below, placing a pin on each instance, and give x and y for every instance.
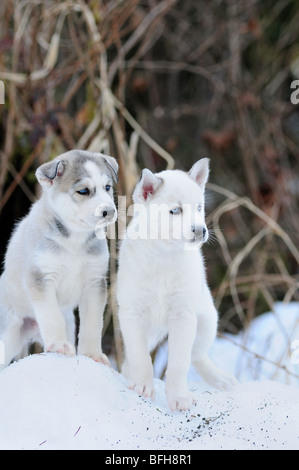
(112, 164)
(200, 172)
(148, 185)
(48, 172)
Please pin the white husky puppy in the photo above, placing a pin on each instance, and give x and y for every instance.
(56, 260)
(162, 288)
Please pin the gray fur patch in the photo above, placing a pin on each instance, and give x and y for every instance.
(112, 171)
(47, 244)
(38, 279)
(75, 170)
(60, 228)
(94, 246)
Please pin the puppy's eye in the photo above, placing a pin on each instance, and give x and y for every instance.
(84, 192)
(199, 207)
(176, 211)
(108, 187)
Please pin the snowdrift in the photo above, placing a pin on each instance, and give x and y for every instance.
(268, 349)
(53, 402)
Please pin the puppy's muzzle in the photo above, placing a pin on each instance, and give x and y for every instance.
(106, 214)
(200, 232)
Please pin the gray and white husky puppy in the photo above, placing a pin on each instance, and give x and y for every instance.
(57, 259)
(162, 287)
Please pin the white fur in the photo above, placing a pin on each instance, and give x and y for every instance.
(162, 288)
(54, 261)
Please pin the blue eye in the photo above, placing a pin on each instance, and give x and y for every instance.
(199, 207)
(108, 187)
(175, 211)
(84, 192)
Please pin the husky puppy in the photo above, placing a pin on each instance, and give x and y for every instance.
(162, 287)
(57, 259)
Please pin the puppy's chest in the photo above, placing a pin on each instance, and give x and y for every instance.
(160, 300)
(171, 290)
(73, 267)
(161, 294)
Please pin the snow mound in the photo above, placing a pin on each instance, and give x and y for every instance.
(53, 402)
(270, 336)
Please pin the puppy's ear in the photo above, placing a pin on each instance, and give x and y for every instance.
(112, 164)
(200, 171)
(48, 172)
(148, 185)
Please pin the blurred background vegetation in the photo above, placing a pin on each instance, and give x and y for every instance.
(160, 84)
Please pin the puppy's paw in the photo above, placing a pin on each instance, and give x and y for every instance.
(180, 400)
(101, 358)
(146, 390)
(61, 347)
(223, 381)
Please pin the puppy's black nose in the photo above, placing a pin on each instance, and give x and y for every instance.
(108, 213)
(199, 231)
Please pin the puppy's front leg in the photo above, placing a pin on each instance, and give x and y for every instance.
(91, 310)
(137, 368)
(182, 330)
(51, 321)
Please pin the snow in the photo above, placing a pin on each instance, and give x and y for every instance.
(271, 336)
(50, 401)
